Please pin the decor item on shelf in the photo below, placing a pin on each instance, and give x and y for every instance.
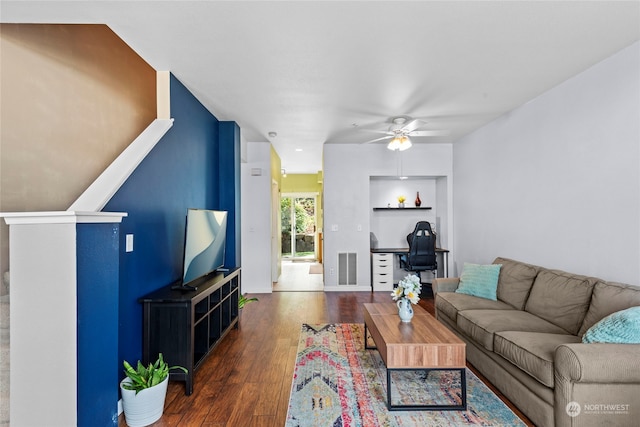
(407, 293)
(401, 200)
(243, 300)
(418, 201)
(144, 391)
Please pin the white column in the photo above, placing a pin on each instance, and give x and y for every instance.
(43, 331)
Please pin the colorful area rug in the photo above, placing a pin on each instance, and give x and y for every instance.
(338, 383)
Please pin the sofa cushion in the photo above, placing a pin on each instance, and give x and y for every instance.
(516, 279)
(561, 298)
(621, 327)
(479, 280)
(532, 352)
(607, 298)
(450, 303)
(481, 325)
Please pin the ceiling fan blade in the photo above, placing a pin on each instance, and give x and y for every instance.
(378, 139)
(430, 133)
(413, 125)
(376, 131)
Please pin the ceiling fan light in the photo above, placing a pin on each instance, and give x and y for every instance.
(404, 144)
(394, 144)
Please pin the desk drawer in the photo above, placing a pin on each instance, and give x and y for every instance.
(382, 282)
(383, 269)
(382, 263)
(382, 276)
(383, 257)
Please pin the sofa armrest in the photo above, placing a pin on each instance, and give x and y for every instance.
(598, 363)
(444, 284)
(589, 375)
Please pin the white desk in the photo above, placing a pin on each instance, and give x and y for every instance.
(382, 266)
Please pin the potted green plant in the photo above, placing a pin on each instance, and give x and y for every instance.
(144, 390)
(243, 300)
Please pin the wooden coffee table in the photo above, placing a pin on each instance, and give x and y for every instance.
(424, 344)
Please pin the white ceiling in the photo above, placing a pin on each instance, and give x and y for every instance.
(316, 71)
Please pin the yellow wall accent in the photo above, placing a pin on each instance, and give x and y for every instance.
(275, 168)
(300, 183)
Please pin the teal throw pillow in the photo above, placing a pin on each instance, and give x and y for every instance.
(480, 280)
(621, 327)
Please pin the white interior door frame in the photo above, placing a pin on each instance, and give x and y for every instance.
(276, 232)
(314, 196)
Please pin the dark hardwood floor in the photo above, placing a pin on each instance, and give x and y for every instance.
(246, 379)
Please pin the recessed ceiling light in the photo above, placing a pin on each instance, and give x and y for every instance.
(298, 149)
(273, 134)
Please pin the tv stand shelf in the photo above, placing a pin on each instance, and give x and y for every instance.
(186, 325)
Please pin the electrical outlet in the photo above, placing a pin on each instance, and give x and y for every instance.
(331, 272)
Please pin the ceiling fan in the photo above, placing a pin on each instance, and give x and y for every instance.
(400, 131)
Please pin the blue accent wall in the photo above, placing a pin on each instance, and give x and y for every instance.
(181, 172)
(97, 294)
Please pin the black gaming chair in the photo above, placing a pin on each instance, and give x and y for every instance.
(422, 249)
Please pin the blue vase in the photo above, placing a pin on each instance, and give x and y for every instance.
(404, 309)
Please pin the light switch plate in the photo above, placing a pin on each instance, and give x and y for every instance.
(129, 243)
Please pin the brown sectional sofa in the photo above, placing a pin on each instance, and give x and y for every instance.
(528, 343)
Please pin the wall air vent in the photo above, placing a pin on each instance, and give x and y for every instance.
(347, 268)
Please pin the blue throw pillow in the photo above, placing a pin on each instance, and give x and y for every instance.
(480, 280)
(622, 327)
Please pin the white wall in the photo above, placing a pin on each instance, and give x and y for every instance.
(557, 182)
(256, 219)
(347, 204)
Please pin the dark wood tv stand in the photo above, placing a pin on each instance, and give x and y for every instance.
(186, 326)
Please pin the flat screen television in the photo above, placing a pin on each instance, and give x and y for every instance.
(204, 245)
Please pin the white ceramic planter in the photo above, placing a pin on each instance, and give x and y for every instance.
(146, 407)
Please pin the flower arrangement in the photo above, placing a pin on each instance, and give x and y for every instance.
(401, 199)
(408, 288)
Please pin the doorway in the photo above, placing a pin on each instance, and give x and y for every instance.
(301, 270)
(298, 236)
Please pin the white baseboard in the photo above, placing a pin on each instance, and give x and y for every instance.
(348, 288)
